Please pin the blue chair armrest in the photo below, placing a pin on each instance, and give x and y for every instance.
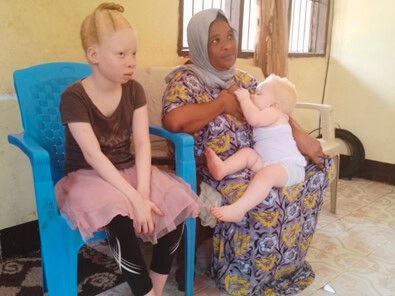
(43, 184)
(34, 151)
(176, 138)
(184, 153)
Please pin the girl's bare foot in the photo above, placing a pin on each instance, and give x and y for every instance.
(229, 213)
(214, 164)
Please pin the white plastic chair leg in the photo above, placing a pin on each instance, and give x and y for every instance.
(334, 185)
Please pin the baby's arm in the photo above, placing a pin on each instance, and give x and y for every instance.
(254, 116)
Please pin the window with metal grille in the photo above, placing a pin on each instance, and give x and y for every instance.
(308, 21)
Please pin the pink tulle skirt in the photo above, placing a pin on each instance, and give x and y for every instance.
(89, 203)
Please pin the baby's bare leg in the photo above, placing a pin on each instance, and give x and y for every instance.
(258, 189)
(244, 158)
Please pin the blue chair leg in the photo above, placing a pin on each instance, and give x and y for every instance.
(190, 255)
(43, 276)
(61, 263)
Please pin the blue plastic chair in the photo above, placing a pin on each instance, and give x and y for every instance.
(38, 90)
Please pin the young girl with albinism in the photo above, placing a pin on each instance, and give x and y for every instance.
(275, 159)
(105, 186)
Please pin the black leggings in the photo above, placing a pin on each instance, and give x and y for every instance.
(126, 251)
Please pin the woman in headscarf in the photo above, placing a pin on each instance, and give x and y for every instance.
(265, 252)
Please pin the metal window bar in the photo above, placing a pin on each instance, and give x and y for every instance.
(231, 9)
(300, 26)
(245, 36)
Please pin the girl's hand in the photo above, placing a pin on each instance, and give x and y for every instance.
(144, 218)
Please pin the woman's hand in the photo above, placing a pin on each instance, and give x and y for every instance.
(311, 148)
(233, 88)
(230, 103)
(144, 210)
(308, 145)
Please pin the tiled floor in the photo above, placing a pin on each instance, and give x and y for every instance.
(353, 251)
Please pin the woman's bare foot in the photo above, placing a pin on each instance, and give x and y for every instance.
(229, 213)
(214, 164)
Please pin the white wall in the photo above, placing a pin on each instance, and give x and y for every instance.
(361, 74)
(16, 194)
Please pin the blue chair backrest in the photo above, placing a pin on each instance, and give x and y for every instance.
(38, 90)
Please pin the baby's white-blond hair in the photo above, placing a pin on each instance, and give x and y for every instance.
(284, 92)
(105, 20)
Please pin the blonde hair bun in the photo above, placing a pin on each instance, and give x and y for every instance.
(111, 6)
(105, 20)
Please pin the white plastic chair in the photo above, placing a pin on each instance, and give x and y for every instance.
(328, 143)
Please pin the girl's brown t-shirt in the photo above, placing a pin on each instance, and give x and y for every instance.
(113, 132)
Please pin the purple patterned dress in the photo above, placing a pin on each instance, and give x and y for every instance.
(265, 253)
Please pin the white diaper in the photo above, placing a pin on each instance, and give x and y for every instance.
(296, 173)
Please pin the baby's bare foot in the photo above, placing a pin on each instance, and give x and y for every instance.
(214, 164)
(196, 212)
(228, 213)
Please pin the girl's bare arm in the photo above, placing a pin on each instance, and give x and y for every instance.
(142, 148)
(89, 145)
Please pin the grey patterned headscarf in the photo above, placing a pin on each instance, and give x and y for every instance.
(197, 32)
